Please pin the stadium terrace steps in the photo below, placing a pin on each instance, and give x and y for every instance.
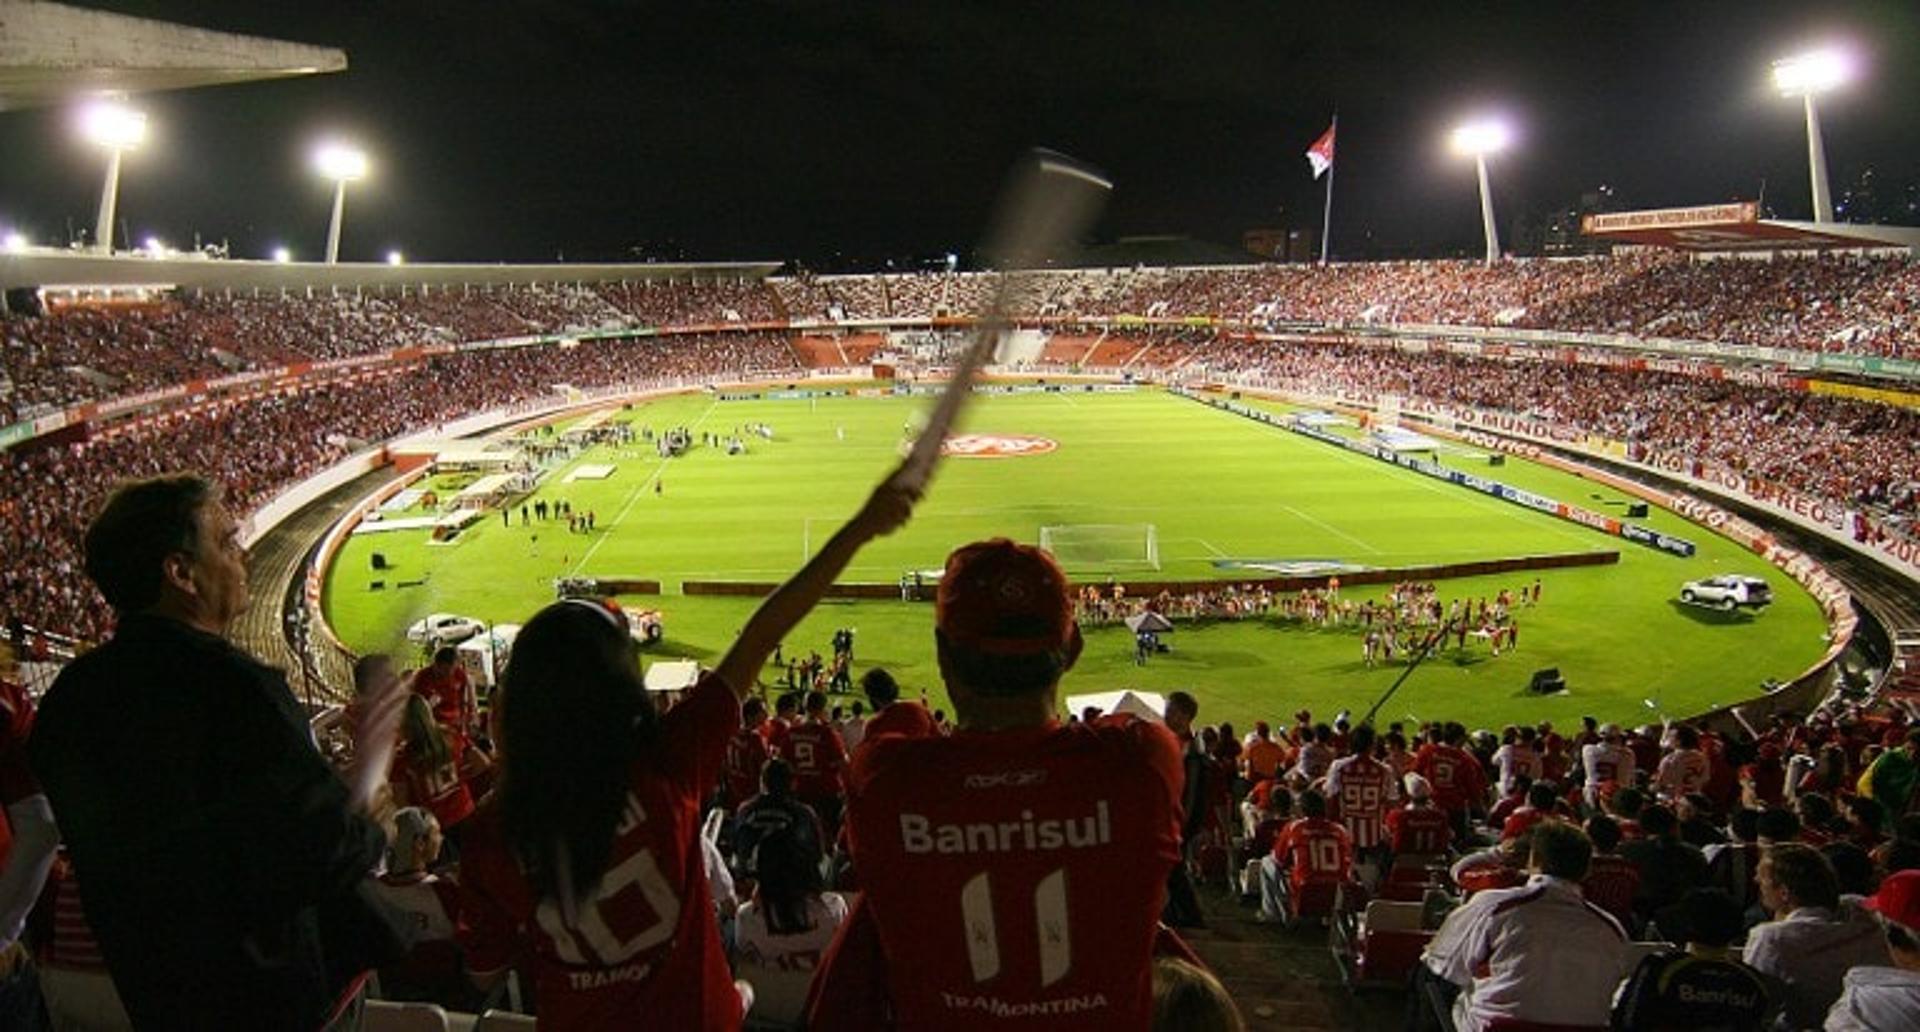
(1282, 977)
(274, 566)
(1066, 349)
(1112, 353)
(818, 352)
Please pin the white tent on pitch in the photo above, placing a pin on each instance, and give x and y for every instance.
(1145, 705)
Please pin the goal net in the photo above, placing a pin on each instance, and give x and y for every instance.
(1103, 546)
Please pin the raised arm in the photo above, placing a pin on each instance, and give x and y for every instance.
(885, 510)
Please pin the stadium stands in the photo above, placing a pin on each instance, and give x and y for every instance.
(1855, 454)
(1757, 788)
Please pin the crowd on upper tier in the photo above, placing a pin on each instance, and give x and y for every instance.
(263, 445)
(1866, 306)
(84, 353)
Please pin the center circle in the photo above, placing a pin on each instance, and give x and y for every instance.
(996, 446)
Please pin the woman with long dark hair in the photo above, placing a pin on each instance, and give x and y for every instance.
(786, 928)
(586, 864)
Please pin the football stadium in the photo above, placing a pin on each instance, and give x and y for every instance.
(713, 641)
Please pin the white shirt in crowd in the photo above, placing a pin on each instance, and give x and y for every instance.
(1810, 951)
(1682, 772)
(1492, 948)
(1514, 758)
(1877, 999)
(780, 967)
(1606, 761)
(853, 731)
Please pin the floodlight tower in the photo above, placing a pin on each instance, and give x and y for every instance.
(342, 164)
(119, 129)
(1480, 139)
(1806, 76)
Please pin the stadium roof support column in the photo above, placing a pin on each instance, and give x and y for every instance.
(1817, 164)
(1486, 210)
(1805, 76)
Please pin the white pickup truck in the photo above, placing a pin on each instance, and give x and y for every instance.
(1727, 591)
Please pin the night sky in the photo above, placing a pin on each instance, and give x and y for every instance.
(844, 135)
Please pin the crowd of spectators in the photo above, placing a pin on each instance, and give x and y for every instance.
(1843, 304)
(1861, 305)
(1783, 834)
(84, 353)
(1852, 452)
(1671, 875)
(263, 445)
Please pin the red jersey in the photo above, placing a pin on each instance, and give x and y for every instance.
(1364, 790)
(1457, 780)
(1521, 822)
(16, 723)
(747, 753)
(901, 718)
(1419, 829)
(1611, 883)
(439, 789)
(777, 732)
(450, 693)
(1317, 849)
(819, 760)
(645, 943)
(1025, 872)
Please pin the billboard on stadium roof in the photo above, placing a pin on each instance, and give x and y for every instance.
(1671, 218)
(1737, 226)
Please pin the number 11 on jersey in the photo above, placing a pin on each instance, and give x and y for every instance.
(1050, 914)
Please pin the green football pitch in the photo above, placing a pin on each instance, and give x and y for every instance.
(1217, 487)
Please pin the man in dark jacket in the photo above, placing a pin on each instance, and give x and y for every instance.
(212, 837)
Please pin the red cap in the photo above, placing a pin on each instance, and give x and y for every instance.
(1898, 899)
(1006, 598)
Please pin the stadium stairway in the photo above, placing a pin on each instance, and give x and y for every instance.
(1282, 977)
(274, 567)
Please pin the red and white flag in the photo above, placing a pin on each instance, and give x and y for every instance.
(1320, 155)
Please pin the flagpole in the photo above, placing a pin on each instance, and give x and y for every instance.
(1326, 214)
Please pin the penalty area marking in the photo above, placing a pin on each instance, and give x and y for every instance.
(1331, 529)
(1426, 483)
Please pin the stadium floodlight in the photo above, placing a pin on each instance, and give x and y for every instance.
(342, 164)
(282, 255)
(119, 129)
(1806, 76)
(16, 241)
(153, 246)
(1480, 139)
(396, 258)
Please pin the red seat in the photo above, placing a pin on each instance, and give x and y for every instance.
(1387, 958)
(1313, 900)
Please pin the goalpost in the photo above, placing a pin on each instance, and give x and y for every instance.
(1103, 546)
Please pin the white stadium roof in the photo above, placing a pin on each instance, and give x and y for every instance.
(52, 53)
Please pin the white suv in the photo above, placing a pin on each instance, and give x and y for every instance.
(1727, 591)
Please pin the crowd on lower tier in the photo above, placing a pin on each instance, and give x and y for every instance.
(1855, 454)
(266, 444)
(1828, 446)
